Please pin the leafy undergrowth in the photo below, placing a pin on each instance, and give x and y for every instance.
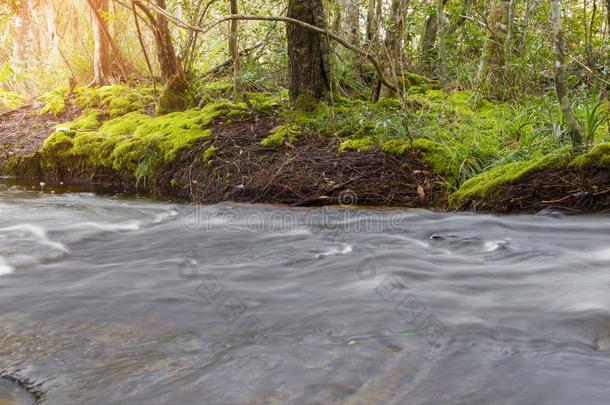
(458, 134)
(10, 100)
(475, 145)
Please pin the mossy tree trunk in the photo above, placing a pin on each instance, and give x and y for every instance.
(426, 52)
(490, 70)
(173, 97)
(393, 43)
(308, 52)
(166, 54)
(559, 73)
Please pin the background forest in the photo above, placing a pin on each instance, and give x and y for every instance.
(491, 87)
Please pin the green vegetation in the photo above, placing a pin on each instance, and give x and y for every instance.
(10, 100)
(280, 135)
(134, 144)
(54, 101)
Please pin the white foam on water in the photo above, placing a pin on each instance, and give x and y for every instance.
(493, 245)
(39, 233)
(601, 255)
(4, 267)
(117, 227)
(164, 216)
(346, 249)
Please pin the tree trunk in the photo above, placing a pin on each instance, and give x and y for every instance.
(559, 72)
(234, 50)
(440, 18)
(490, 70)
(393, 43)
(101, 54)
(426, 53)
(372, 25)
(308, 52)
(22, 36)
(166, 54)
(508, 47)
(350, 25)
(606, 92)
(52, 30)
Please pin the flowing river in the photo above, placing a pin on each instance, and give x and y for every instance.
(113, 299)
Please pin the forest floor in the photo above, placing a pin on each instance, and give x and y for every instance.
(252, 152)
(24, 130)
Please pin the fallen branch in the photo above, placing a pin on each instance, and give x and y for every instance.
(305, 25)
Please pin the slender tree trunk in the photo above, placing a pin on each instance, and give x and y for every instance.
(605, 86)
(52, 29)
(559, 72)
(508, 47)
(308, 52)
(234, 50)
(393, 52)
(526, 24)
(101, 54)
(440, 22)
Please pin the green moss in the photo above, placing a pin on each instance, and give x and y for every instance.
(209, 154)
(434, 155)
(125, 125)
(54, 101)
(115, 100)
(89, 120)
(360, 145)
(173, 96)
(486, 185)
(135, 143)
(280, 135)
(598, 156)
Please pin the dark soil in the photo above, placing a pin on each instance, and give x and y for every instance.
(586, 190)
(309, 172)
(23, 131)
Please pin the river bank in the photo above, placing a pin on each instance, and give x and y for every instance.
(254, 151)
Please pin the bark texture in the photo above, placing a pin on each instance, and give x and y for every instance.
(308, 52)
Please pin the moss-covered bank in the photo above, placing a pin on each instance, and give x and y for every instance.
(464, 152)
